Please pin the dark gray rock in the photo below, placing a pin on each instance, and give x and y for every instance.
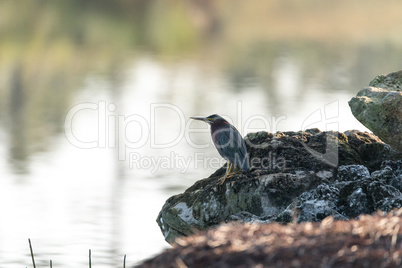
(352, 172)
(293, 178)
(396, 166)
(357, 203)
(371, 150)
(384, 174)
(245, 216)
(317, 204)
(397, 182)
(379, 108)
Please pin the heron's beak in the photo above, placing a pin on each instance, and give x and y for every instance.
(200, 118)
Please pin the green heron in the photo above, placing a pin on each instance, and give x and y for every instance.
(229, 143)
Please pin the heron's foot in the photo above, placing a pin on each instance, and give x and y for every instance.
(229, 173)
(223, 179)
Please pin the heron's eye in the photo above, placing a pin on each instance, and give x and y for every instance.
(210, 119)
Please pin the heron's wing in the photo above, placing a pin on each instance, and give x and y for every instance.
(231, 146)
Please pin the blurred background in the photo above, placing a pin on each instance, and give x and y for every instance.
(123, 77)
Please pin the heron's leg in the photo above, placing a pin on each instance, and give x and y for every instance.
(228, 173)
(231, 172)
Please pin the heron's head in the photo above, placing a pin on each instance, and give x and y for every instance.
(212, 119)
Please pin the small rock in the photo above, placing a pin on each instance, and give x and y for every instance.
(315, 210)
(397, 183)
(396, 166)
(385, 174)
(317, 204)
(357, 203)
(352, 172)
(385, 197)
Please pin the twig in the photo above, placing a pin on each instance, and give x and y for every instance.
(32, 255)
(90, 258)
(124, 261)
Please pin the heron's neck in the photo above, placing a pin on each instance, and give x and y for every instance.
(219, 125)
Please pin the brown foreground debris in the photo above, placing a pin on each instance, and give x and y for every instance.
(372, 241)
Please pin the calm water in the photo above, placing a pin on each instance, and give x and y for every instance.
(107, 198)
(94, 121)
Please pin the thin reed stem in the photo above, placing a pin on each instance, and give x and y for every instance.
(90, 265)
(32, 255)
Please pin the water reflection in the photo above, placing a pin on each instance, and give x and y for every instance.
(18, 153)
(161, 62)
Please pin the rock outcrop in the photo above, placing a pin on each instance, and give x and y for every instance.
(371, 241)
(379, 108)
(295, 176)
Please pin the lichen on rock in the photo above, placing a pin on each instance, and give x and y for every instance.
(379, 108)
